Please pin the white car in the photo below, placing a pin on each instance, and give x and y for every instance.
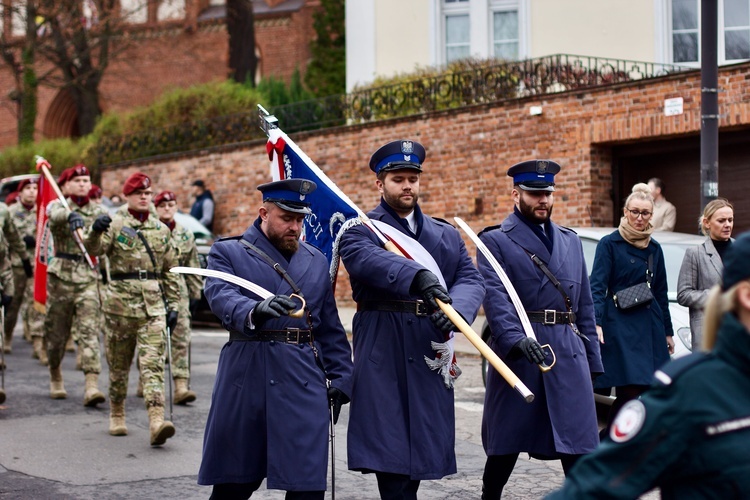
(674, 246)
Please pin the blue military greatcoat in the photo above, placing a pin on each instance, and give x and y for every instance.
(269, 410)
(635, 343)
(402, 418)
(562, 418)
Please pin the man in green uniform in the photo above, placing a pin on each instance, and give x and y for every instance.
(190, 294)
(140, 252)
(689, 434)
(23, 215)
(73, 288)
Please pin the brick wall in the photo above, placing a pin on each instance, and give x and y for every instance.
(161, 59)
(468, 152)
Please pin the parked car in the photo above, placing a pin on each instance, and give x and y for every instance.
(674, 246)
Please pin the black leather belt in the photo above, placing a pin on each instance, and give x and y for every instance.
(69, 256)
(417, 307)
(552, 317)
(138, 275)
(290, 336)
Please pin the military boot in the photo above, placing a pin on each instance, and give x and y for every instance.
(117, 425)
(161, 429)
(92, 396)
(182, 395)
(70, 346)
(2, 396)
(40, 351)
(56, 387)
(7, 349)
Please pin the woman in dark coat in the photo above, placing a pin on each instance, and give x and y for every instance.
(635, 342)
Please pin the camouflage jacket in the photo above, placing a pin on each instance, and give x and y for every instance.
(25, 222)
(137, 298)
(184, 240)
(11, 239)
(65, 269)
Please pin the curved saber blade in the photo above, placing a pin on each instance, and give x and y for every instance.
(231, 278)
(520, 310)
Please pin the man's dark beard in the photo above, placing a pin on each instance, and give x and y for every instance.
(286, 246)
(529, 213)
(398, 205)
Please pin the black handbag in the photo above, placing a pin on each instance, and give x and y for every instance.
(636, 295)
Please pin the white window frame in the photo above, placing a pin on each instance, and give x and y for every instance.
(721, 46)
(503, 6)
(447, 10)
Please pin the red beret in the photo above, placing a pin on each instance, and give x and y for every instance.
(11, 198)
(164, 196)
(71, 172)
(26, 182)
(95, 191)
(136, 181)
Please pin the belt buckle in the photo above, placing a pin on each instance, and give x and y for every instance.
(547, 313)
(420, 308)
(294, 337)
(142, 275)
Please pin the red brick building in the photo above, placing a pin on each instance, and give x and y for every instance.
(183, 48)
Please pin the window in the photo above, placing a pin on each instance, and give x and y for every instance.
(171, 9)
(734, 31)
(135, 11)
(457, 30)
(505, 35)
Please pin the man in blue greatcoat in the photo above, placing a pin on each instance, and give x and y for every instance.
(402, 421)
(269, 412)
(561, 421)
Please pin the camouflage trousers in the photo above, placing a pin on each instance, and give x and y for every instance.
(23, 304)
(70, 304)
(181, 341)
(123, 337)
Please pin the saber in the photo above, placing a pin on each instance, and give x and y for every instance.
(169, 373)
(333, 447)
(247, 285)
(44, 166)
(520, 310)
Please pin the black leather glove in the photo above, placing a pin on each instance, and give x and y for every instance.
(171, 321)
(337, 400)
(75, 220)
(30, 241)
(5, 300)
(101, 223)
(428, 285)
(442, 322)
(272, 307)
(27, 268)
(194, 303)
(529, 348)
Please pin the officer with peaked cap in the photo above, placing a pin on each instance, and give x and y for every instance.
(561, 424)
(269, 411)
(689, 434)
(402, 425)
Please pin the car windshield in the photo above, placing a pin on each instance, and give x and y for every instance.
(200, 231)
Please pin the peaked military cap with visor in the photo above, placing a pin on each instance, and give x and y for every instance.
(535, 175)
(398, 155)
(289, 194)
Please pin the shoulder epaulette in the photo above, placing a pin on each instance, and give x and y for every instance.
(443, 221)
(490, 228)
(566, 229)
(670, 372)
(227, 238)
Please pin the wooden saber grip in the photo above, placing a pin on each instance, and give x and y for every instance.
(485, 350)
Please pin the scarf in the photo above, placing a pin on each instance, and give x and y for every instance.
(639, 239)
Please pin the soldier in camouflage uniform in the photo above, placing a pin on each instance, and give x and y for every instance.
(73, 287)
(11, 243)
(190, 295)
(23, 215)
(134, 308)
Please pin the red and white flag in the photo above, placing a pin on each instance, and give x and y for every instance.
(44, 245)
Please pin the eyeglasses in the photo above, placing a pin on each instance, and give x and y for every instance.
(636, 213)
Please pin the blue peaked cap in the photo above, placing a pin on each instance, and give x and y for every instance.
(289, 194)
(397, 155)
(535, 175)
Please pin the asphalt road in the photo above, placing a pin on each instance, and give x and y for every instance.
(59, 449)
